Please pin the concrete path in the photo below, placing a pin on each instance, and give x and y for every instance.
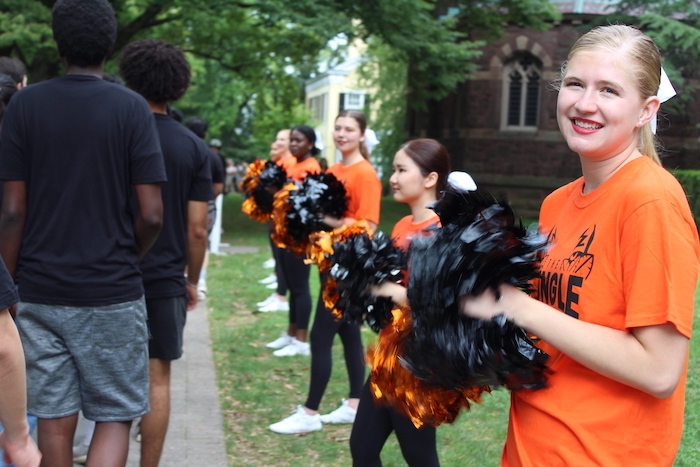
(195, 436)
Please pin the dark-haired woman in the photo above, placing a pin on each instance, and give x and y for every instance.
(364, 194)
(302, 145)
(421, 168)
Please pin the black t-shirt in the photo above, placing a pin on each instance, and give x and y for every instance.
(218, 167)
(8, 291)
(187, 166)
(80, 144)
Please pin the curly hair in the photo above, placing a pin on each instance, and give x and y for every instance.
(156, 69)
(84, 30)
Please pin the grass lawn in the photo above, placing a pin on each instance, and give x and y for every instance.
(257, 389)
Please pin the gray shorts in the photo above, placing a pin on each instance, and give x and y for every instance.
(89, 358)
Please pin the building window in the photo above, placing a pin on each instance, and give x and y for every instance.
(522, 78)
(317, 105)
(352, 100)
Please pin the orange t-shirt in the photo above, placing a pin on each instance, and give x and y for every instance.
(300, 170)
(623, 256)
(405, 230)
(364, 189)
(287, 163)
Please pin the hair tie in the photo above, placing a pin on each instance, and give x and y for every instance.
(461, 181)
(665, 92)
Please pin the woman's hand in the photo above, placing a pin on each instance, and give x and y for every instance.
(333, 222)
(506, 300)
(396, 292)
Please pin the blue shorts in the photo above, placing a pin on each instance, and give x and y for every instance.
(94, 358)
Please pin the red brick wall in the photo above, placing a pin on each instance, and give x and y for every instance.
(468, 123)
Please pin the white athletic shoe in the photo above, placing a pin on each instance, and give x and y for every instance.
(267, 301)
(269, 264)
(277, 305)
(271, 285)
(268, 280)
(343, 414)
(298, 422)
(283, 341)
(295, 348)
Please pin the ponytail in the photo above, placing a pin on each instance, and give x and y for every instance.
(648, 143)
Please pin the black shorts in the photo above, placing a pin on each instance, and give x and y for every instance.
(166, 323)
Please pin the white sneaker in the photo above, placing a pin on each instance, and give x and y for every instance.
(295, 348)
(277, 305)
(271, 285)
(269, 264)
(343, 414)
(298, 422)
(268, 280)
(283, 341)
(267, 301)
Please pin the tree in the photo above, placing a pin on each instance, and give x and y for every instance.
(251, 57)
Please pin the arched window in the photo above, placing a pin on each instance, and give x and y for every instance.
(522, 78)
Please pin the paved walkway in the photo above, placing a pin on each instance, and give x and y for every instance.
(195, 436)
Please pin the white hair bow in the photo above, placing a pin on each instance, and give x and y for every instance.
(461, 181)
(665, 92)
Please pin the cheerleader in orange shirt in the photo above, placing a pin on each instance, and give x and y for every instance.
(293, 269)
(364, 194)
(421, 168)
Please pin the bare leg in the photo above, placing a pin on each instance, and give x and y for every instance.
(110, 445)
(301, 335)
(56, 440)
(154, 425)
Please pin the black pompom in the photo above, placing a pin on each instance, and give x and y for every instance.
(479, 246)
(318, 195)
(359, 261)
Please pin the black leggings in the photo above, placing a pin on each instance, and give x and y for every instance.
(373, 425)
(295, 274)
(276, 252)
(323, 332)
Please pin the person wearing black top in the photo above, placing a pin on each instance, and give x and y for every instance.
(199, 127)
(160, 72)
(76, 151)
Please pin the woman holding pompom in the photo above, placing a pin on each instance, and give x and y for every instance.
(421, 168)
(302, 145)
(363, 189)
(614, 306)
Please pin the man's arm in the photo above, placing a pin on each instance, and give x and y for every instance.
(150, 218)
(196, 246)
(12, 220)
(14, 440)
(218, 189)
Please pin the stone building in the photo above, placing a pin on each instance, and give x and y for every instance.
(500, 124)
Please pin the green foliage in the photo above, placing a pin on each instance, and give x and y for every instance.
(25, 32)
(690, 179)
(251, 57)
(675, 27)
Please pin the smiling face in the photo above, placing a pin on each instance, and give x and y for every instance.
(299, 144)
(407, 182)
(347, 135)
(280, 145)
(599, 107)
